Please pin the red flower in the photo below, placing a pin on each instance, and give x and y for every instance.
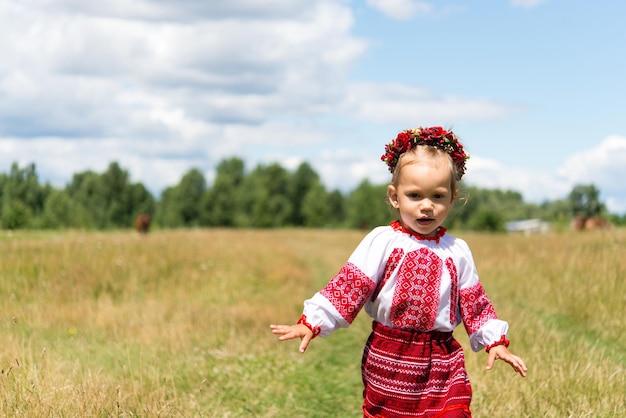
(403, 142)
(434, 136)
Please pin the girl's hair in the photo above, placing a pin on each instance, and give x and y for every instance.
(426, 152)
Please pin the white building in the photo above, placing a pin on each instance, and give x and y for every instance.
(528, 226)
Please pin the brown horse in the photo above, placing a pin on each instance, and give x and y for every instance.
(582, 223)
(142, 223)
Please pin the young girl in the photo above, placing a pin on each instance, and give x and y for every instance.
(418, 283)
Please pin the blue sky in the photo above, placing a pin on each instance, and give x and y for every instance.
(535, 89)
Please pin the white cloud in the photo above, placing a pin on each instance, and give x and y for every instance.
(401, 9)
(606, 162)
(402, 104)
(344, 168)
(129, 81)
(181, 10)
(604, 166)
(535, 186)
(83, 66)
(526, 4)
(161, 88)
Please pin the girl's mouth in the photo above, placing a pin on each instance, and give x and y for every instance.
(424, 221)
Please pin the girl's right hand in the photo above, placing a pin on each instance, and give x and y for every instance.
(288, 332)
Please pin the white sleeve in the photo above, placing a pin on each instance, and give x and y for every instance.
(491, 332)
(338, 303)
(477, 312)
(319, 312)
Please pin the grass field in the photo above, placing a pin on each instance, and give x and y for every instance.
(176, 324)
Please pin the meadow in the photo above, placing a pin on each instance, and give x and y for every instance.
(176, 324)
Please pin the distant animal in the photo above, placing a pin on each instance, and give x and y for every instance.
(142, 223)
(591, 223)
(597, 222)
(578, 223)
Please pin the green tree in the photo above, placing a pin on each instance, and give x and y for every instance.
(336, 208)
(15, 214)
(367, 206)
(222, 202)
(84, 191)
(315, 206)
(108, 200)
(558, 212)
(190, 192)
(167, 211)
(300, 184)
(486, 219)
(58, 210)
(116, 192)
(181, 205)
(22, 197)
(584, 200)
(264, 198)
(140, 200)
(489, 209)
(23, 184)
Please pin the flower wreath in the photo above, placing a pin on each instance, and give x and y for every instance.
(434, 137)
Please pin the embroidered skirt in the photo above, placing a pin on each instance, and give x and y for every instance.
(414, 374)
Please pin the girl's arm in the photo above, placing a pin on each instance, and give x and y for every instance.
(337, 304)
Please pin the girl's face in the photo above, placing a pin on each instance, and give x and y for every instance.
(423, 195)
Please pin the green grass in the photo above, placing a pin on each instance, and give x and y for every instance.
(176, 324)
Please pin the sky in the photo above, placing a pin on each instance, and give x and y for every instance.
(535, 89)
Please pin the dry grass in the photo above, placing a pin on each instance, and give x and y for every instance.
(564, 295)
(176, 324)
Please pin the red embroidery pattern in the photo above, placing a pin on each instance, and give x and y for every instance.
(502, 341)
(397, 226)
(348, 291)
(428, 378)
(476, 308)
(392, 263)
(416, 296)
(315, 330)
(454, 290)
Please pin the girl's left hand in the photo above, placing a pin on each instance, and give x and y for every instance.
(503, 353)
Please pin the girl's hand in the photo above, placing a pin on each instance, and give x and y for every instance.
(288, 332)
(502, 353)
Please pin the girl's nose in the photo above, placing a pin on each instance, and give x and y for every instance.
(426, 204)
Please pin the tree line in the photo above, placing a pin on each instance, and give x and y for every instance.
(268, 196)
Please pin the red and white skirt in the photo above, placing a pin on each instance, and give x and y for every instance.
(414, 374)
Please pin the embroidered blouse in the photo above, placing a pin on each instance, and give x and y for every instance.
(406, 282)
